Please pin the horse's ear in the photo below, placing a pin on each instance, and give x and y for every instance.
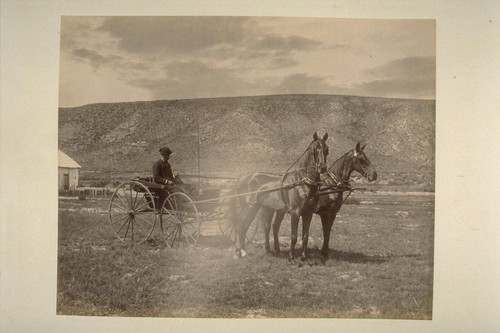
(325, 136)
(363, 148)
(315, 136)
(358, 149)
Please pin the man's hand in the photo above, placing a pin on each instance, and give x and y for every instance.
(169, 182)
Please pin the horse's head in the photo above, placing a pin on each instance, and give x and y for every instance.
(362, 164)
(318, 150)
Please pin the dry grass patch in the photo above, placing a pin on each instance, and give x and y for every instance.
(378, 268)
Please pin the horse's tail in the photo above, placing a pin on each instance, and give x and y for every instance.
(230, 204)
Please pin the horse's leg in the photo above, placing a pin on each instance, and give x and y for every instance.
(267, 218)
(237, 242)
(242, 228)
(306, 223)
(294, 227)
(327, 223)
(238, 221)
(276, 228)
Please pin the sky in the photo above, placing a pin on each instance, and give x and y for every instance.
(125, 59)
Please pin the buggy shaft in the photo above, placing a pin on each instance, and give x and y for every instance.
(253, 192)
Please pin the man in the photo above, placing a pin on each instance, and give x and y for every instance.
(162, 171)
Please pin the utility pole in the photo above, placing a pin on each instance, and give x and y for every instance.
(199, 143)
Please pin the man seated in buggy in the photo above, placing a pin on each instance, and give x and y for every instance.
(167, 183)
(162, 171)
(163, 175)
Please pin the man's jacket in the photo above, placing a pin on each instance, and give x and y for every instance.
(162, 172)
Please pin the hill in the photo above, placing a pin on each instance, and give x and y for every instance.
(242, 134)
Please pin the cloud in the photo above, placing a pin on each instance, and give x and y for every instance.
(407, 68)
(73, 29)
(275, 51)
(194, 78)
(174, 34)
(281, 62)
(95, 59)
(399, 88)
(285, 44)
(411, 77)
(303, 84)
(193, 57)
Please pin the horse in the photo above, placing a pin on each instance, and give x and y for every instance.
(296, 192)
(329, 204)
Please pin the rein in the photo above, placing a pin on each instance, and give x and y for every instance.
(340, 186)
(316, 163)
(333, 176)
(304, 181)
(287, 187)
(305, 151)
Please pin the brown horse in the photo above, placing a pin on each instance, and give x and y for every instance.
(296, 193)
(328, 205)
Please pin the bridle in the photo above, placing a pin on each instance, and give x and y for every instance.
(306, 180)
(339, 181)
(318, 165)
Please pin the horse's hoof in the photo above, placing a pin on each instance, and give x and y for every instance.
(238, 254)
(243, 254)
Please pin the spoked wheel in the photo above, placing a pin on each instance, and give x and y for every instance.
(227, 228)
(132, 213)
(180, 221)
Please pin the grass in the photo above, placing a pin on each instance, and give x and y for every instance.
(380, 266)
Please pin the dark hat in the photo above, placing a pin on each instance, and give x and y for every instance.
(165, 151)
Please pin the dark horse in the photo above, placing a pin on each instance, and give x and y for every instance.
(328, 205)
(296, 192)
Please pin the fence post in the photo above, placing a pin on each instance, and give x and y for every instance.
(81, 195)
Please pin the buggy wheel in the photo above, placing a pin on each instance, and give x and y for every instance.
(180, 221)
(132, 213)
(227, 229)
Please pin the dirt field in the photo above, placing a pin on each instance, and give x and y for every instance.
(380, 266)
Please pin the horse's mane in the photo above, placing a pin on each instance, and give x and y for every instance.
(342, 157)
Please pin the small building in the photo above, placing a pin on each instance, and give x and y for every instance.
(68, 172)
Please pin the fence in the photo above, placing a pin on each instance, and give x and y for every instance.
(102, 191)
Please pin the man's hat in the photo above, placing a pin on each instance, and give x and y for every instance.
(165, 151)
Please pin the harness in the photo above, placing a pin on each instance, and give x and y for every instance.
(306, 180)
(337, 181)
(339, 186)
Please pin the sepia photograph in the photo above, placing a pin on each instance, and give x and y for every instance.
(184, 141)
(263, 166)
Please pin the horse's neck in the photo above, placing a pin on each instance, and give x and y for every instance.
(306, 171)
(307, 167)
(342, 168)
